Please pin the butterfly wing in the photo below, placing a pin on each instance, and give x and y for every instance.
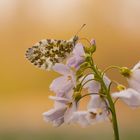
(48, 52)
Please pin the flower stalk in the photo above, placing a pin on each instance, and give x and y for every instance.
(108, 96)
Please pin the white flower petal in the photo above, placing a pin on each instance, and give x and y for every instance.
(96, 102)
(60, 99)
(71, 61)
(80, 117)
(77, 57)
(92, 86)
(69, 112)
(57, 83)
(58, 122)
(130, 96)
(97, 115)
(62, 85)
(134, 80)
(106, 80)
(79, 50)
(137, 66)
(54, 114)
(61, 68)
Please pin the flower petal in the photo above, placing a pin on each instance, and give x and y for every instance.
(62, 85)
(130, 96)
(80, 117)
(58, 122)
(92, 86)
(96, 102)
(54, 114)
(69, 112)
(97, 115)
(61, 68)
(78, 56)
(79, 50)
(57, 84)
(60, 99)
(137, 66)
(106, 80)
(134, 80)
(71, 61)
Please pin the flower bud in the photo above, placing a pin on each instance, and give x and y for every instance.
(92, 42)
(125, 72)
(93, 46)
(121, 87)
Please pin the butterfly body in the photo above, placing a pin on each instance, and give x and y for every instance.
(47, 52)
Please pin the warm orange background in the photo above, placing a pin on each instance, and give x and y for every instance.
(115, 24)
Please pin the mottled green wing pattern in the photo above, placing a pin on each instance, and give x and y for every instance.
(48, 52)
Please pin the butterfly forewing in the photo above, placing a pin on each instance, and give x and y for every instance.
(48, 52)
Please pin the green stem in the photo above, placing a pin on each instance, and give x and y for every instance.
(110, 67)
(110, 101)
(85, 77)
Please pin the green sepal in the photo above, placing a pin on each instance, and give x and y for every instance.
(77, 96)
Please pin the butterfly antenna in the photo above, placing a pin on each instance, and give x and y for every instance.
(80, 29)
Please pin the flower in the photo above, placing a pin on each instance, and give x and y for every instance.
(62, 111)
(134, 78)
(77, 57)
(97, 111)
(130, 96)
(94, 86)
(63, 85)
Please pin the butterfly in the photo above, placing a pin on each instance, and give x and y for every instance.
(47, 52)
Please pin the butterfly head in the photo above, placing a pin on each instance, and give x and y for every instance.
(74, 39)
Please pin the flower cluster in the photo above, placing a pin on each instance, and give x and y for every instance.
(80, 72)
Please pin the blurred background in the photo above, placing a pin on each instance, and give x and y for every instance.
(24, 89)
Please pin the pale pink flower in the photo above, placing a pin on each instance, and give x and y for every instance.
(63, 85)
(62, 111)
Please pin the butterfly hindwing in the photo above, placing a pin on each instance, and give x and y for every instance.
(48, 52)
